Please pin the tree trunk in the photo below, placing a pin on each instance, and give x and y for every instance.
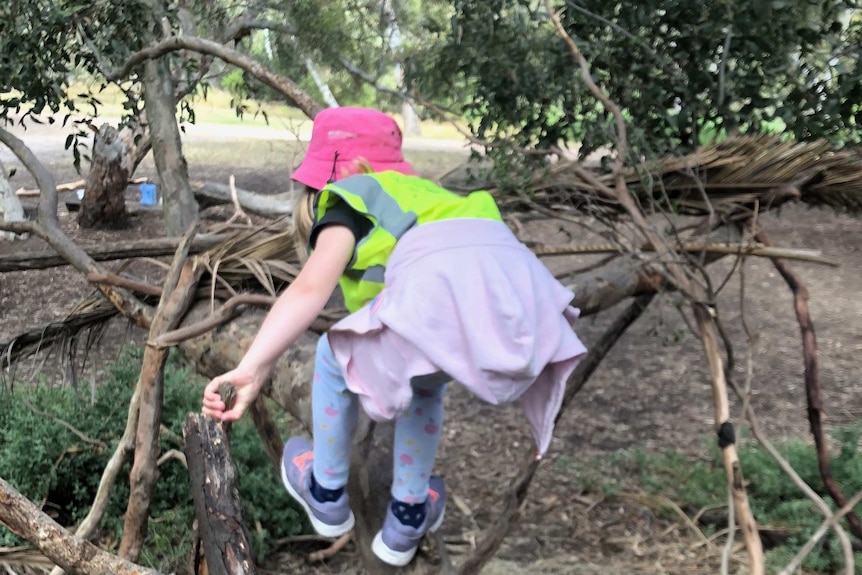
(104, 203)
(181, 210)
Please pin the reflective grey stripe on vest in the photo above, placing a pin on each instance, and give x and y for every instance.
(374, 274)
(380, 204)
(385, 210)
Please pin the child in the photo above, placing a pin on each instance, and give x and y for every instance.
(439, 289)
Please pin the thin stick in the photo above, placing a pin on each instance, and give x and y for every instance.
(336, 546)
(818, 535)
(812, 382)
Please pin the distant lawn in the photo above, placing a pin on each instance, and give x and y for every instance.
(216, 109)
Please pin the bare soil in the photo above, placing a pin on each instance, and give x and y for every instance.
(651, 392)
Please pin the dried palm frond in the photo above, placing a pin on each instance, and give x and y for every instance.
(89, 316)
(721, 178)
(24, 561)
(265, 254)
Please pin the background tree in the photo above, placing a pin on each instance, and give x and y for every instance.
(682, 72)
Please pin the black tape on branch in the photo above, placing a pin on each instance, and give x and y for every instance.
(726, 435)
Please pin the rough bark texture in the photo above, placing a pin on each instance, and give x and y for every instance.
(181, 210)
(73, 554)
(213, 477)
(179, 289)
(104, 203)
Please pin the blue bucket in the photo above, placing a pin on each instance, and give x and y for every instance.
(148, 194)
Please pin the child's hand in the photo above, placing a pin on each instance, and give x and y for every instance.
(247, 384)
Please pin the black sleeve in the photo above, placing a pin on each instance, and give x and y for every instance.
(344, 215)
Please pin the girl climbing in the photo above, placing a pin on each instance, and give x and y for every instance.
(439, 290)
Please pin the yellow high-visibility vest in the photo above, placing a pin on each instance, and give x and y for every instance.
(394, 203)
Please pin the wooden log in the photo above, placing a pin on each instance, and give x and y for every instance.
(72, 553)
(179, 287)
(44, 259)
(213, 476)
(272, 206)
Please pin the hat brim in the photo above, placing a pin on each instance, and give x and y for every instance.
(317, 173)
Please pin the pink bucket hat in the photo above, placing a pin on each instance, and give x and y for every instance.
(341, 135)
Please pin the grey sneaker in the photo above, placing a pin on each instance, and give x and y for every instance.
(330, 519)
(396, 543)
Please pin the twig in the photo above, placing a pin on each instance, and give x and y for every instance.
(702, 247)
(173, 454)
(818, 535)
(812, 382)
(67, 425)
(517, 492)
(336, 546)
(224, 314)
(120, 281)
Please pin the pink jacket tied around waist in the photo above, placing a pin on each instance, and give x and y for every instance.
(463, 297)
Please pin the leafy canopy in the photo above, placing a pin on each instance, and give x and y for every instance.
(678, 69)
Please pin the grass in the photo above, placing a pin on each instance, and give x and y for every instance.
(218, 108)
(776, 502)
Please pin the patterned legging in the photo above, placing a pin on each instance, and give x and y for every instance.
(335, 410)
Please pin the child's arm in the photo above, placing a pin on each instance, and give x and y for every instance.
(292, 314)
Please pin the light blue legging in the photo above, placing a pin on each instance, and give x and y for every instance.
(335, 410)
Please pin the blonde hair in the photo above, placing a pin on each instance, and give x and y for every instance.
(303, 208)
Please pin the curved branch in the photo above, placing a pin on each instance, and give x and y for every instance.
(47, 227)
(44, 179)
(282, 84)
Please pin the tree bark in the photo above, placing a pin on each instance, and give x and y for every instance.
(73, 554)
(104, 203)
(213, 476)
(181, 210)
(271, 206)
(179, 288)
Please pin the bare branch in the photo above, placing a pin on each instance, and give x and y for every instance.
(517, 492)
(818, 535)
(70, 552)
(812, 382)
(282, 84)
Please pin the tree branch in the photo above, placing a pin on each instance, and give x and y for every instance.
(47, 227)
(704, 312)
(517, 492)
(70, 552)
(812, 382)
(280, 83)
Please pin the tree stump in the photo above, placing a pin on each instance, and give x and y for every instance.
(104, 203)
(223, 534)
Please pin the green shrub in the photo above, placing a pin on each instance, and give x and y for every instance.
(48, 463)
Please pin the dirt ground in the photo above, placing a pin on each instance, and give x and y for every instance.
(651, 392)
